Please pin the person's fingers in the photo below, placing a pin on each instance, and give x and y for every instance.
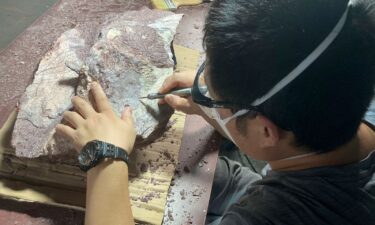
(178, 80)
(101, 101)
(73, 118)
(161, 101)
(169, 83)
(178, 103)
(82, 107)
(127, 115)
(65, 131)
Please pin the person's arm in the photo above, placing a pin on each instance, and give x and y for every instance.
(183, 80)
(107, 197)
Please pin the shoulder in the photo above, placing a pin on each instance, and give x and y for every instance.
(305, 197)
(265, 203)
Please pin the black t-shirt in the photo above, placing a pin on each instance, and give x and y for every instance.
(328, 195)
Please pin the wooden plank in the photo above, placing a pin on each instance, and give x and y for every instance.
(155, 166)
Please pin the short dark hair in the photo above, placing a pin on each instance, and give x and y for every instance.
(253, 44)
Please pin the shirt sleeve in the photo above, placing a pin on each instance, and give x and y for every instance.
(230, 184)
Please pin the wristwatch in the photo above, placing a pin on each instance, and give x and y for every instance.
(95, 151)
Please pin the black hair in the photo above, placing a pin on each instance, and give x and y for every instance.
(253, 44)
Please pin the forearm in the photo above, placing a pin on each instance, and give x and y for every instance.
(107, 198)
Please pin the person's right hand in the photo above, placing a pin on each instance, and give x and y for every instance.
(179, 80)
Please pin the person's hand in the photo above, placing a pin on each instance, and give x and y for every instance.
(87, 124)
(179, 80)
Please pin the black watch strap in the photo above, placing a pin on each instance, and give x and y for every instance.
(114, 152)
(95, 151)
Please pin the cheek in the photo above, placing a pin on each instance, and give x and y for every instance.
(247, 143)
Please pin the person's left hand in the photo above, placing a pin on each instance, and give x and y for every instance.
(101, 123)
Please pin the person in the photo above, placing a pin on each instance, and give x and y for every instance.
(289, 82)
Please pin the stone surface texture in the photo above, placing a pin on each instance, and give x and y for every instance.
(129, 54)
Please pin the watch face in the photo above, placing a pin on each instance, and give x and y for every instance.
(88, 155)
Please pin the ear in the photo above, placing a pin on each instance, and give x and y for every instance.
(269, 132)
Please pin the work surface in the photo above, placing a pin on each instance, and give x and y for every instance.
(185, 205)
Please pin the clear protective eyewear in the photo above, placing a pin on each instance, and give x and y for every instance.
(201, 96)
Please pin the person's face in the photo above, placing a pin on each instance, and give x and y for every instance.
(253, 136)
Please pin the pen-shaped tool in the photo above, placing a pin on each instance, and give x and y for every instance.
(185, 92)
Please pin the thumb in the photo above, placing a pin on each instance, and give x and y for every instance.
(178, 103)
(127, 114)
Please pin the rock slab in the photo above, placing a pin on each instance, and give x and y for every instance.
(129, 54)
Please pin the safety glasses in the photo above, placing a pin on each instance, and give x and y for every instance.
(201, 96)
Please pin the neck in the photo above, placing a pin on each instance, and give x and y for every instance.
(355, 150)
